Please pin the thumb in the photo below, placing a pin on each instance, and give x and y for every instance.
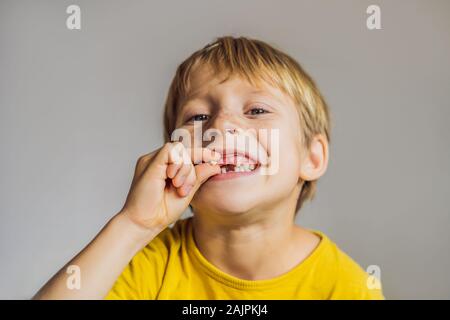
(203, 172)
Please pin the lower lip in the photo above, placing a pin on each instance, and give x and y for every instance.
(233, 175)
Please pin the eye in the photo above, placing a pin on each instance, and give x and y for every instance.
(199, 117)
(257, 110)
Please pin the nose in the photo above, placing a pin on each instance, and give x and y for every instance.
(232, 130)
(226, 128)
(227, 123)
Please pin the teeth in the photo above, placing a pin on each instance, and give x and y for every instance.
(239, 168)
(244, 168)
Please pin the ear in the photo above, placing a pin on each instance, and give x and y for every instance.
(315, 159)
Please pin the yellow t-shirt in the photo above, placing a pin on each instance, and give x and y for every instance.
(172, 267)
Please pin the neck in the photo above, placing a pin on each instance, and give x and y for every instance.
(252, 245)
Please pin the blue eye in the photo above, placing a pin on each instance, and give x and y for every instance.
(199, 117)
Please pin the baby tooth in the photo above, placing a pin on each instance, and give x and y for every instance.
(252, 167)
(223, 170)
(213, 162)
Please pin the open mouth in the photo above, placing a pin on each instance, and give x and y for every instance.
(246, 167)
(233, 171)
(235, 165)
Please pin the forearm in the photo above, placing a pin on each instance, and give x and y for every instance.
(101, 262)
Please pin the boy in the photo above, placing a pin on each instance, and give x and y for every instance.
(244, 190)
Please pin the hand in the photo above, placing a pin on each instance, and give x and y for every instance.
(165, 182)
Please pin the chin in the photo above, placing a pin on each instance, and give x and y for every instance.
(226, 201)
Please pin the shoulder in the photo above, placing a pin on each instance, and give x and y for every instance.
(346, 279)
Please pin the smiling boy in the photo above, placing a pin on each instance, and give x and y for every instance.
(242, 241)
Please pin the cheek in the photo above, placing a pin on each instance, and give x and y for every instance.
(285, 149)
(289, 157)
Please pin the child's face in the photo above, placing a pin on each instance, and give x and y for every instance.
(236, 104)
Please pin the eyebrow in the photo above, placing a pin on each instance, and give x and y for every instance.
(262, 92)
(189, 97)
(268, 95)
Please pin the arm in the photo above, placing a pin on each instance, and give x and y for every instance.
(152, 205)
(101, 261)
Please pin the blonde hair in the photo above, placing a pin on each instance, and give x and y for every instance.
(256, 60)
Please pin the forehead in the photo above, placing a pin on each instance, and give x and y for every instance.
(205, 81)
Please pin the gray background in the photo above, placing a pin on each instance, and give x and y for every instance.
(79, 107)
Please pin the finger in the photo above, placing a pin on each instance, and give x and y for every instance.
(203, 172)
(172, 170)
(186, 166)
(184, 190)
(199, 155)
(182, 175)
(188, 183)
(168, 154)
(178, 153)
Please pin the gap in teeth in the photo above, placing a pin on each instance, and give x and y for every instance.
(237, 168)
